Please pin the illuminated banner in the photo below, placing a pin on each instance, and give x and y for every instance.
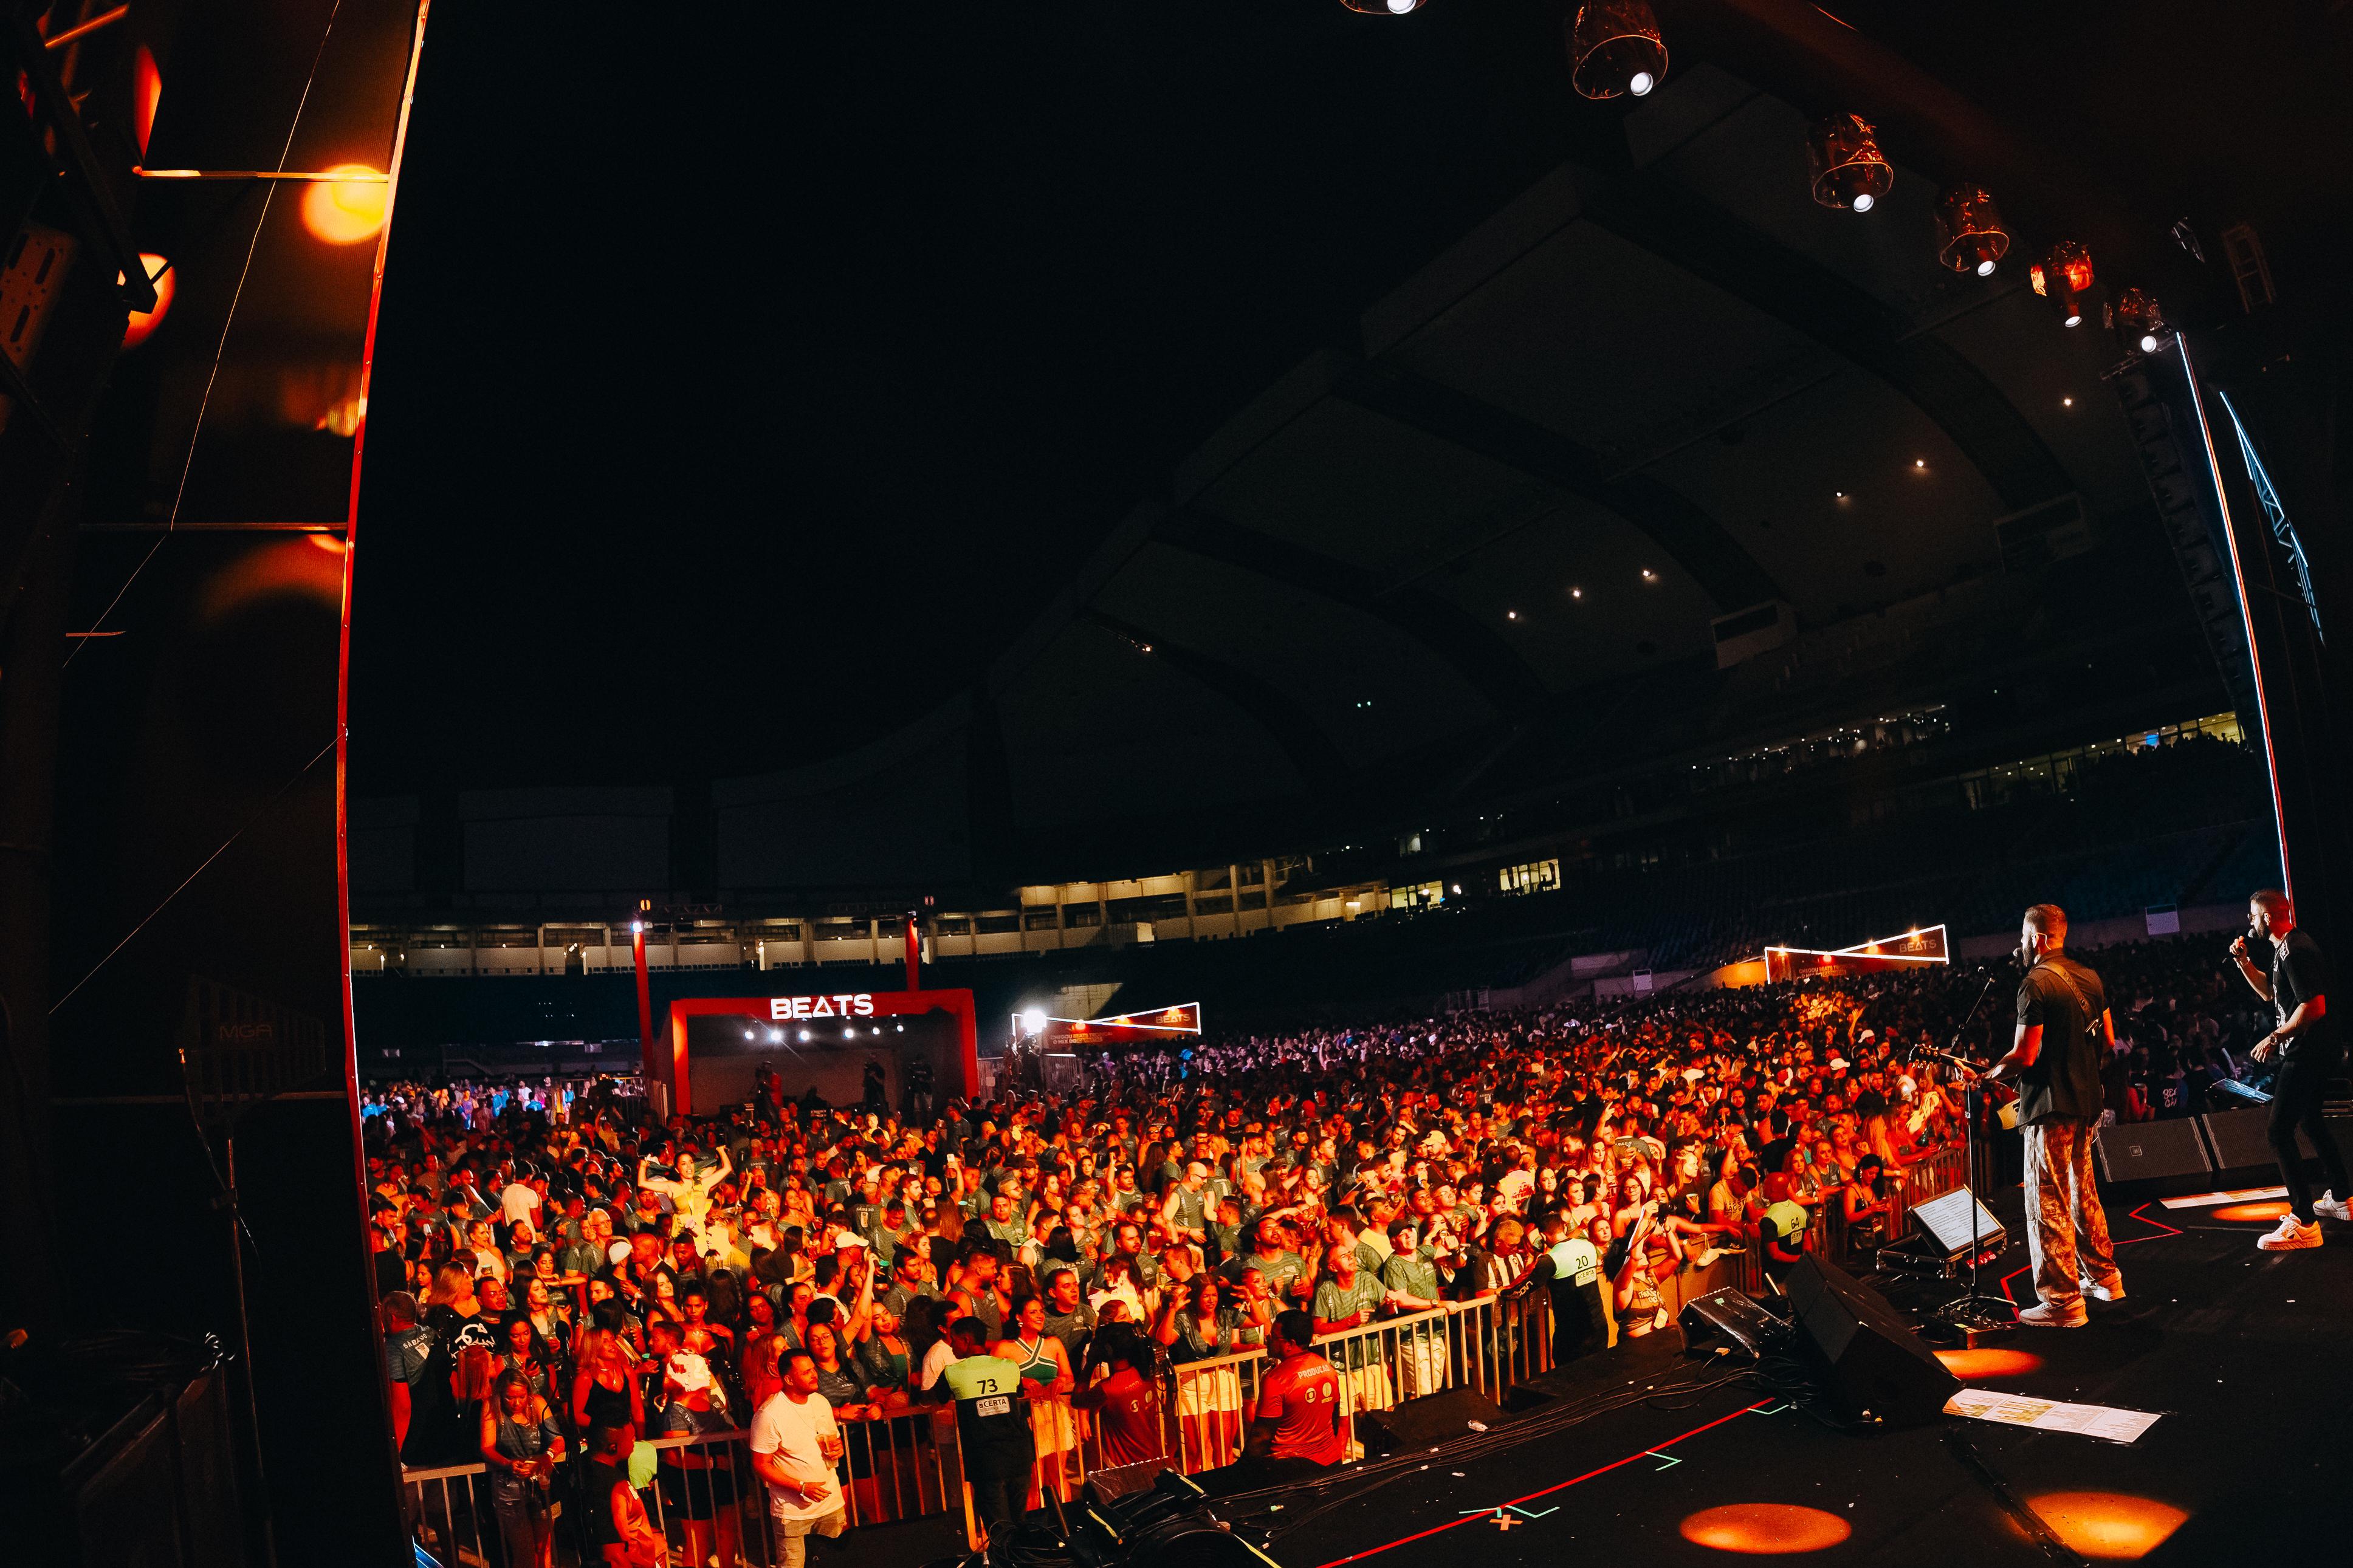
(1918, 946)
(1119, 1029)
(840, 1005)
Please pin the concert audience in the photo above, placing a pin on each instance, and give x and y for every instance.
(630, 1280)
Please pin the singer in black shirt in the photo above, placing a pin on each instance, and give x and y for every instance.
(2297, 988)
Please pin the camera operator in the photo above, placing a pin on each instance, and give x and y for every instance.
(2063, 1034)
(2297, 989)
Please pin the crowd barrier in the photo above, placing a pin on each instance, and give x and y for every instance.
(908, 1465)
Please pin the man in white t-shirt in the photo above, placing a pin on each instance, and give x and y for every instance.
(519, 1201)
(791, 1437)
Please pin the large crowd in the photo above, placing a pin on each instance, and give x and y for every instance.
(562, 1275)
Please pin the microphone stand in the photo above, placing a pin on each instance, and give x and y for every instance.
(1974, 1311)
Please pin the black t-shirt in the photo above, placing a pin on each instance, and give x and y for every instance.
(2066, 999)
(2299, 973)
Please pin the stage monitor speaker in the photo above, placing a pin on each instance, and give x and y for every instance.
(1727, 1317)
(2240, 1139)
(1432, 1419)
(1876, 1365)
(2146, 1151)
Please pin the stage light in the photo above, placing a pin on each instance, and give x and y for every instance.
(345, 212)
(850, 1033)
(1842, 154)
(165, 281)
(1034, 1020)
(1615, 49)
(901, 1027)
(2064, 277)
(1510, 615)
(1384, 7)
(1577, 593)
(1973, 1364)
(805, 1034)
(637, 928)
(2066, 403)
(146, 96)
(1649, 576)
(2109, 1525)
(747, 1033)
(1919, 462)
(775, 1036)
(1764, 1529)
(1971, 234)
(2137, 319)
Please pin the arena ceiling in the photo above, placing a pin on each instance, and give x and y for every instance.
(1620, 378)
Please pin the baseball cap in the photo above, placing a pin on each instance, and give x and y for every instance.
(848, 1241)
(617, 1253)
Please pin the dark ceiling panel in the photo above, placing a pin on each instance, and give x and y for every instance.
(1473, 651)
(1309, 749)
(1695, 540)
(1710, 242)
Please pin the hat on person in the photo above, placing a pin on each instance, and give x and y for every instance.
(617, 1253)
(848, 1241)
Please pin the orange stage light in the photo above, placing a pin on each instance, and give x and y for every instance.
(345, 212)
(147, 94)
(2265, 1212)
(1767, 1528)
(142, 323)
(1971, 1365)
(2108, 1525)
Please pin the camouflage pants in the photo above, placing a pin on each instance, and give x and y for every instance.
(2066, 1229)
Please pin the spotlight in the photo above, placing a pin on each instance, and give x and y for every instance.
(747, 1033)
(776, 1036)
(2137, 319)
(1843, 153)
(1577, 593)
(850, 1033)
(1034, 1020)
(165, 281)
(637, 928)
(1510, 615)
(1614, 48)
(1649, 576)
(2064, 277)
(1384, 7)
(805, 1034)
(1971, 234)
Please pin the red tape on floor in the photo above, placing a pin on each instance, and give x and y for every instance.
(1547, 1492)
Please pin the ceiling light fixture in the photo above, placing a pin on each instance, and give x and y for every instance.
(1971, 234)
(2137, 320)
(1577, 593)
(2064, 277)
(1842, 154)
(1615, 49)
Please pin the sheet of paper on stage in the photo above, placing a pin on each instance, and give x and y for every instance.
(2051, 1414)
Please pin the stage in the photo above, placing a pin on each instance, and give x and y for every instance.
(2243, 1351)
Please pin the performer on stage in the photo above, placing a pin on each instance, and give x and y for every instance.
(2297, 989)
(2063, 1034)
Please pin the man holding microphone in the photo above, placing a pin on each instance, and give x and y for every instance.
(2297, 989)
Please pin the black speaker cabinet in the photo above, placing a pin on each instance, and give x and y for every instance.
(2146, 1151)
(1875, 1365)
(1433, 1418)
(2242, 1139)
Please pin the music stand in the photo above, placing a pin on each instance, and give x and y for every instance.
(1974, 1310)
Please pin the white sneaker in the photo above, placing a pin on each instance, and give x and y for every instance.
(2113, 1291)
(2331, 1206)
(2293, 1233)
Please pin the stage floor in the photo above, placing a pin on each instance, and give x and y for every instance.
(2245, 1352)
